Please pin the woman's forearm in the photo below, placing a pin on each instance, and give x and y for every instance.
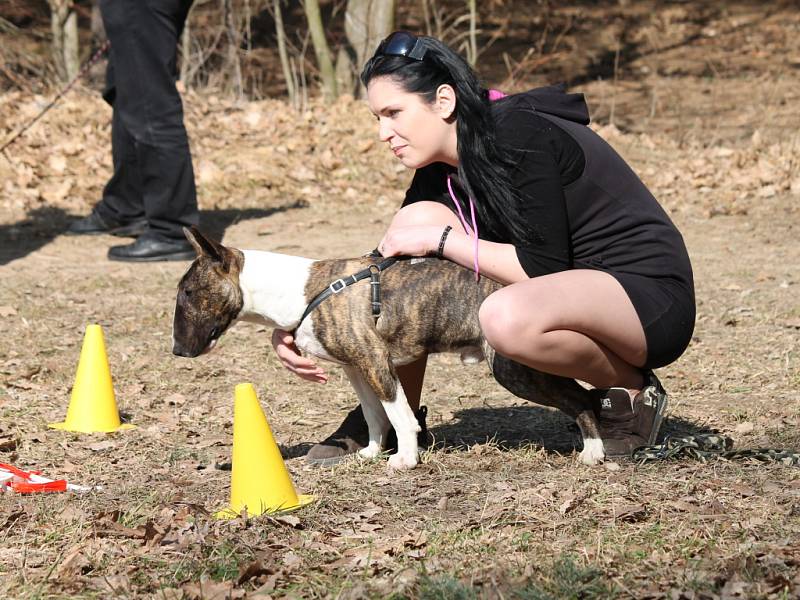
(496, 261)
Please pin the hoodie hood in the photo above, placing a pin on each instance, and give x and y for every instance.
(553, 100)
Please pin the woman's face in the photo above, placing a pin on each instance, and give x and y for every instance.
(418, 133)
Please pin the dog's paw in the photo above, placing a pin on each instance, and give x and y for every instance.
(400, 462)
(372, 450)
(592, 453)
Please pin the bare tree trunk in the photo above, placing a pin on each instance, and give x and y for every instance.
(186, 52)
(64, 27)
(427, 16)
(72, 63)
(232, 31)
(472, 54)
(287, 70)
(321, 49)
(366, 23)
(97, 27)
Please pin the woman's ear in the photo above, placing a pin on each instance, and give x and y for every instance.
(446, 101)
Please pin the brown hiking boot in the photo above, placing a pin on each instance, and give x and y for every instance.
(627, 424)
(617, 422)
(352, 435)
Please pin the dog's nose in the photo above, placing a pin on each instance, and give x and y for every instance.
(179, 350)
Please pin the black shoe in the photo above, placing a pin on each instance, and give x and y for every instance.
(350, 437)
(148, 249)
(94, 224)
(353, 435)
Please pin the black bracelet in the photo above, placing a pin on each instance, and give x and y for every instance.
(440, 251)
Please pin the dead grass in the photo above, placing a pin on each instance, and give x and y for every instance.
(499, 507)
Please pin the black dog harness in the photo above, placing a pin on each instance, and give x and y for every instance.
(373, 271)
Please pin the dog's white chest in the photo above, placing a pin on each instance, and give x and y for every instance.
(305, 339)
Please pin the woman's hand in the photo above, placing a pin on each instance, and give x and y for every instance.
(290, 357)
(415, 240)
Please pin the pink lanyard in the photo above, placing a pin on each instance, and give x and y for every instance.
(473, 232)
(493, 96)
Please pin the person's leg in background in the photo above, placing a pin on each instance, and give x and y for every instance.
(144, 38)
(121, 210)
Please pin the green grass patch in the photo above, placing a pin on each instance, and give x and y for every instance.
(567, 579)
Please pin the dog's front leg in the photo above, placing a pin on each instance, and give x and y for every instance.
(374, 415)
(388, 390)
(406, 427)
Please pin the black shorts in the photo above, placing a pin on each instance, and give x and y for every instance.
(666, 309)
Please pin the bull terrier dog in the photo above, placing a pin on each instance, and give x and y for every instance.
(427, 305)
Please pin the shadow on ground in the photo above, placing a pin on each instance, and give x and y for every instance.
(42, 225)
(512, 428)
(520, 426)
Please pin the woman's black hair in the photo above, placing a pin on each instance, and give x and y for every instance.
(483, 167)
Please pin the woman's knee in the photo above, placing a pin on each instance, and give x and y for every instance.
(505, 328)
(425, 212)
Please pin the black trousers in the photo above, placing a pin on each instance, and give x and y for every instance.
(153, 174)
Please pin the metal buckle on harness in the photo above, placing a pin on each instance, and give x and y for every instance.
(337, 286)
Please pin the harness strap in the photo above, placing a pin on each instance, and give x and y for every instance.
(373, 271)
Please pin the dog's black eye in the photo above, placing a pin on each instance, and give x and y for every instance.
(187, 292)
(213, 333)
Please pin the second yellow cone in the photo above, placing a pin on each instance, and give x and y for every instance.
(92, 406)
(260, 482)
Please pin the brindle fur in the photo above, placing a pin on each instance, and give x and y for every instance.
(447, 321)
(428, 306)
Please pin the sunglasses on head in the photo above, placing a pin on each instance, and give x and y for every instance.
(402, 43)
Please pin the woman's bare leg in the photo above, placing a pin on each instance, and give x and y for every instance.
(411, 378)
(578, 323)
(425, 212)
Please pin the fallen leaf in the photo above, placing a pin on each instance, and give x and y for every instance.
(569, 504)
(100, 446)
(629, 512)
(73, 565)
(289, 520)
(251, 571)
(8, 443)
(207, 589)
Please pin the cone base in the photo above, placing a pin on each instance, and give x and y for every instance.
(64, 426)
(302, 500)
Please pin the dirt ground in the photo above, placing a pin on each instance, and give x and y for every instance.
(499, 507)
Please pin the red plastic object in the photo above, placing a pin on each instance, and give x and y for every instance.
(26, 487)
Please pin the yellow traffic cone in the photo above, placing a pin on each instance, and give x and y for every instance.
(92, 406)
(260, 482)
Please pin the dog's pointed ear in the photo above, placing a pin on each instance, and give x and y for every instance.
(203, 245)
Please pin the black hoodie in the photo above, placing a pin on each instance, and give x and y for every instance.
(582, 204)
(585, 208)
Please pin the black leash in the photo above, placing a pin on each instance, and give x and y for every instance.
(373, 271)
(100, 52)
(705, 447)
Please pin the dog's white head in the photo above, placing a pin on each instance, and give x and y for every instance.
(209, 297)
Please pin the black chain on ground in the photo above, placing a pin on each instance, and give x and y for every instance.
(708, 446)
(100, 52)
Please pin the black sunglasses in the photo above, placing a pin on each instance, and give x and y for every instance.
(402, 43)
